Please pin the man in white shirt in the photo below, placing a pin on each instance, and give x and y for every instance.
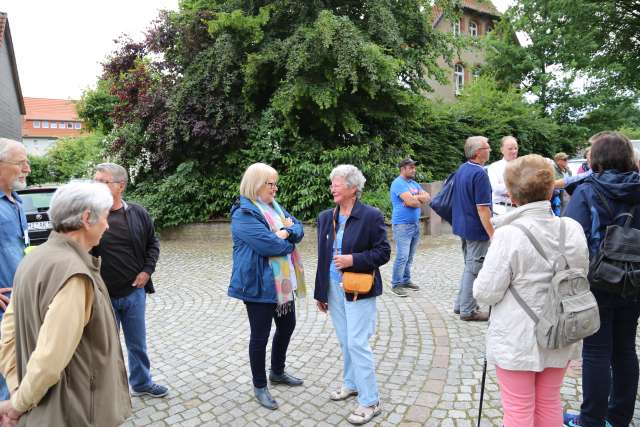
(500, 197)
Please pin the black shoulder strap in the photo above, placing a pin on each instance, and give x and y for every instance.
(605, 203)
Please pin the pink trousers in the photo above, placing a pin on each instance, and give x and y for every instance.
(531, 399)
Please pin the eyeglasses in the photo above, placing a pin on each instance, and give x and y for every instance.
(97, 181)
(18, 163)
(271, 184)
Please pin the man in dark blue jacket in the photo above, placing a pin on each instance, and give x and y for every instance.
(129, 250)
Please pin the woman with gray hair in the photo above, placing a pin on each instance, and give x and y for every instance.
(60, 351)
(352, 238)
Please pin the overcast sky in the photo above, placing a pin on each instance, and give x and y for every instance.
(59, 45)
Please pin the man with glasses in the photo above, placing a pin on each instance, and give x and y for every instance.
(472, 222)
(129, 250)
(14, 235)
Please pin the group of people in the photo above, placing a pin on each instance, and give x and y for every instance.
(512, 244)
(510, 263)
(64, 303)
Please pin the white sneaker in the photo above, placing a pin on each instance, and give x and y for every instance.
(364, 414)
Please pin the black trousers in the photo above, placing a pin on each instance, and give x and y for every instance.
(260, 316)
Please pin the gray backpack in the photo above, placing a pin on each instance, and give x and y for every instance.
(570, 311)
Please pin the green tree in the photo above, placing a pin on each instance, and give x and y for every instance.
(96, 107)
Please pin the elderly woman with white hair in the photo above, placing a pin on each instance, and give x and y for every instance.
(267, 274)
(60, 351)
(352, 245)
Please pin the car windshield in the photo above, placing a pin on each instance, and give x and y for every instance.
(33, 202)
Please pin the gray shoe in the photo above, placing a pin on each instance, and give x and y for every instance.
(399, 291)
(264, 398)
(411, 286)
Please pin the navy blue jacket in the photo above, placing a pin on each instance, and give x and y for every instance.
(365, 237)
(253, 243)
(622, 191)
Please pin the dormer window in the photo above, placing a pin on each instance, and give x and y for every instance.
(473, 29)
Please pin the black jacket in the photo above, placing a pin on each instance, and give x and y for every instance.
(146, 247)
(365, 237)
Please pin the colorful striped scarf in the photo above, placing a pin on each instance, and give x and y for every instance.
(287, 270)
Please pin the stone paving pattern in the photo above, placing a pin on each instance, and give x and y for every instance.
(429, 363)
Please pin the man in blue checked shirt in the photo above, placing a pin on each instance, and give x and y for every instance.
(14, 237)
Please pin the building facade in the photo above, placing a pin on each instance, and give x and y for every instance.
(11, 101)
(477, 20)
(46, 121)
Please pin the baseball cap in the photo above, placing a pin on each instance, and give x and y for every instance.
(407, 162)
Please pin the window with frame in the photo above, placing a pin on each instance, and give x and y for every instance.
(77, 125)
(45, 124)
(458, 78)
(455, 28)
(54, 125)
(36, 124)
(473, 29)
(69, 125)
(476, 72)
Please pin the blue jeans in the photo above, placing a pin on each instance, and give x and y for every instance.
(610, 364)
(355, 323)
(473, 252)
(4, 390)
(407, 237)
(129, 312)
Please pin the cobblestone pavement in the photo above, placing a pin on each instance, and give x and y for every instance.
(429, 363)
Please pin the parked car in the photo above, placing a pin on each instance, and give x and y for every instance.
(35, 202)
(574, 165)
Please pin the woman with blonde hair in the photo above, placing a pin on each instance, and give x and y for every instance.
(529, 375)
(267, 274)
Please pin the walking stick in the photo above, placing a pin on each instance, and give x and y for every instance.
(484, 377)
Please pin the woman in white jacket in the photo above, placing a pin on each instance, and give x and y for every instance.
(530, 376)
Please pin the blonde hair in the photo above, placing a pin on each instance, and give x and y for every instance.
(529, 179)
(254, 178)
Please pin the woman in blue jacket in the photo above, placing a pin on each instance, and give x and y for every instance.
(352, 237)
(267, 273)
(610, 362)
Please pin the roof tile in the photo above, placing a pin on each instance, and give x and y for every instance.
(50, 109)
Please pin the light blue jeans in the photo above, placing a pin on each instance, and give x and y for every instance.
(406, 237)
(473, 252)
(355, 323)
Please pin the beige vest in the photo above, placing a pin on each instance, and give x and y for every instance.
(93, 388)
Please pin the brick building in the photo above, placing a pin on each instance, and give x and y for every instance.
(11, 101)
(46, 121)
(477, 20)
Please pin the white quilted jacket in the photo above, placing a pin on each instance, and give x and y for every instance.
(512, 260)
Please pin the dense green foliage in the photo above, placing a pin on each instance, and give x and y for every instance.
(580, 61)
(303, 86)
(69, 158)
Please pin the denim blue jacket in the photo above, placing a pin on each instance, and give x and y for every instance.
(13, 228)
(253, 243)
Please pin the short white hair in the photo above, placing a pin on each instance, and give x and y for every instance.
(352, 177)
(7, 145)
(473, 144)
(70, 201)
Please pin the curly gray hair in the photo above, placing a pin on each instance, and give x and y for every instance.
(352, 177)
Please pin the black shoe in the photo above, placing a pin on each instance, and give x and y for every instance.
(265, 398)
(476, 316)
(284, 378)
(456, 311)
(412, 286)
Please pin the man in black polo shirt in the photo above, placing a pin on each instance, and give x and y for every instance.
(129, 250)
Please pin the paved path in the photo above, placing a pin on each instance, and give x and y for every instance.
(429, 363)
